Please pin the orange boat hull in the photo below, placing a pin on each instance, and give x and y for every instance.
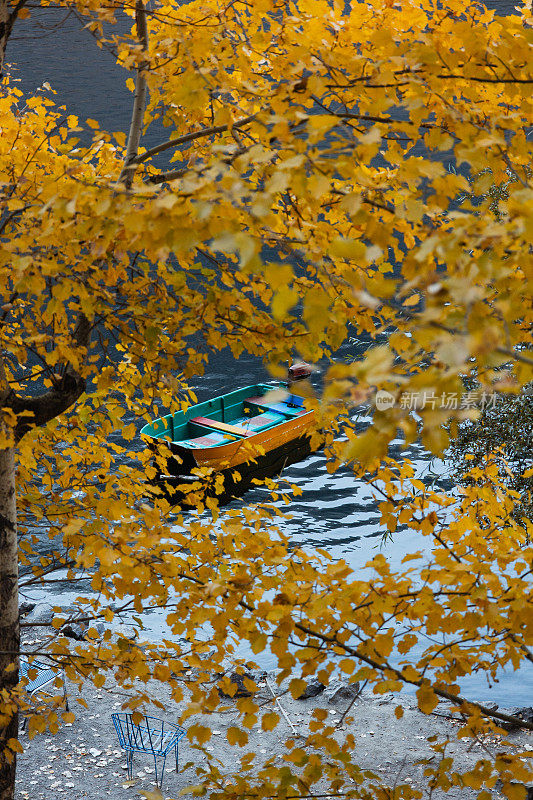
(259, 444)
(244, 436)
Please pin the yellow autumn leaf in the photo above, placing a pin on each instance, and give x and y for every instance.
(283, 301)
(269, 721)
(154, 794)
(514, 791)
(427, 699)
(200, 733)
(236, 736)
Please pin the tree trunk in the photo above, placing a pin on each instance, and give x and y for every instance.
(9, 618)
(4, 32)
(8, 16)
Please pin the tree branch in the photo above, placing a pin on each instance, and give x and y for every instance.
(190, 137)
(139, 101)
(167, 176)
(36, 411)
(482, 79)
(334, 642)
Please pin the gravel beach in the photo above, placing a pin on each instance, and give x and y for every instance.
(83, 760)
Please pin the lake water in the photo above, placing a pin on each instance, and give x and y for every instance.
(334, 511)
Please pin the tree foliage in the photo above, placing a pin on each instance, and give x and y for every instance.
(504, 432)
(301, 193)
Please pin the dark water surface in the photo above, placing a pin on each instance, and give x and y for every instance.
(334, 511)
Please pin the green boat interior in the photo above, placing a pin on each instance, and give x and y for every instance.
(228, 418)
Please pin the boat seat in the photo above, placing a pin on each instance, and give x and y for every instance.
(280, 408)
(211, 439)
(260, 422)
(295, 400)
(219, 426)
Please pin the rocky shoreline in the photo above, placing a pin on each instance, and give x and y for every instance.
(83, 761)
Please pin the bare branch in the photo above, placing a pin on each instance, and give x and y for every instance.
(139, 101)
(166, 176)
(190, 137)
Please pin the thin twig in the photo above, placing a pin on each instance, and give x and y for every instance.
(298, 735)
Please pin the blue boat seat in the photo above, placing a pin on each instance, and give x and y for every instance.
(286, 407)
(294, 400)
(260, 422)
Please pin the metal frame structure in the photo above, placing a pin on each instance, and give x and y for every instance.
(45, 675)
(152, 735)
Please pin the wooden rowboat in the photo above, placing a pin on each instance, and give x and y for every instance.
(249, 433)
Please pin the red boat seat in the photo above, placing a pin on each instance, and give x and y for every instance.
(220, 426)
(212, 439)
(260, 422)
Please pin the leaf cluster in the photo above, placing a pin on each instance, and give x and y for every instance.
(301, 194)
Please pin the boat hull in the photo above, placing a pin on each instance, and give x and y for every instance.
(180, 460)
(236, 481)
